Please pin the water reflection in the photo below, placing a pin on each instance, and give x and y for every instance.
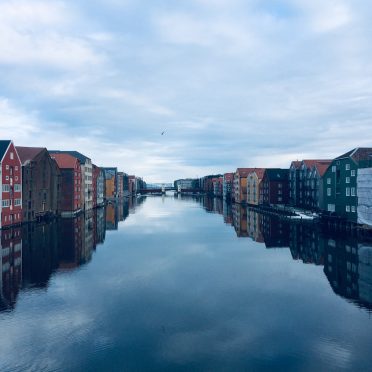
(11, 267)
(32, 253)
(347, 259)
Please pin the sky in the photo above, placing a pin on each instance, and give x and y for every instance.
(232, 83)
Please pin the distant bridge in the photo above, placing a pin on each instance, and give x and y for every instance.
(161, 190)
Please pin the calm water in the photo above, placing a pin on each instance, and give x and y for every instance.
(183, 284)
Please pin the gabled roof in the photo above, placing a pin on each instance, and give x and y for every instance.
(312, 162)
(358, 154)
(27, 154)
(65, 161)
(322, 166)
(277, 174)
(296, 164)
(243, 172)
(228, 176)
(110, 169)
(260, 172)
(4, 144)
(76, 154)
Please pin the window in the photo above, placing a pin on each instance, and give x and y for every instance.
(12, 155)
(347, 191)
(16, 178)
(348, 208)
(7, 178)
(347, 167)
(331, 207)
(17, 187)
(7, 167)
(5, 203)
(347, 179)
(329, 181)
(17, 202)
(353, 208)
(353, 173)
(329, 191)
(353, 191)
(6, 188)
(16, 167)
(333, 168)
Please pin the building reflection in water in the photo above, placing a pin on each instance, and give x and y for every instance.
(347, 260)
(11, 267)
(32, 253)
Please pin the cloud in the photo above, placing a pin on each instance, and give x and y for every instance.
(34, 33)
(233, 83)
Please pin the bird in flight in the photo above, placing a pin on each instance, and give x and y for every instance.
(162, 133)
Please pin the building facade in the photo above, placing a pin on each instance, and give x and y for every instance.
(111, 182)
(217, 186)
(87, 177)
(227, 186)
(275, 187)
(11, 185)
(41, 178)
(294, 183)
(314, 196)
(71, 201)
(340, 183)
(240, 184)
(254, 182)
(120, 187)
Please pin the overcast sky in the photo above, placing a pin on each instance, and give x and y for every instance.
(232, 83)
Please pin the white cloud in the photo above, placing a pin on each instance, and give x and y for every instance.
(37, 33)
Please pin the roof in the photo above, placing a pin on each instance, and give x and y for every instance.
(76, 154)
(4, 144)
(228, 176)
(311, 163)
(260, 172)
(27, 154)
(243, 172)
(296, 164)
(322, 166)
(65, 161)
(277, 174)
(358, 154)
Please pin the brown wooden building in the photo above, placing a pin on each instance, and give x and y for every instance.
(40, 183)
(275, 187)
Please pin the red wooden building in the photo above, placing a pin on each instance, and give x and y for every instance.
(11, 185)
(71, 195)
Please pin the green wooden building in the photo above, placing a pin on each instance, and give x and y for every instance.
(340, 183)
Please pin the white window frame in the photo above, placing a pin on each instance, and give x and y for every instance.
(353, 193)
(348, 208)
(329, 191)
(353, 173)
(329, 180)
(347, 167)
(347, 180)
(347, 191)
(331, 208)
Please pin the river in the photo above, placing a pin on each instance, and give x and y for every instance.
(185, 284)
